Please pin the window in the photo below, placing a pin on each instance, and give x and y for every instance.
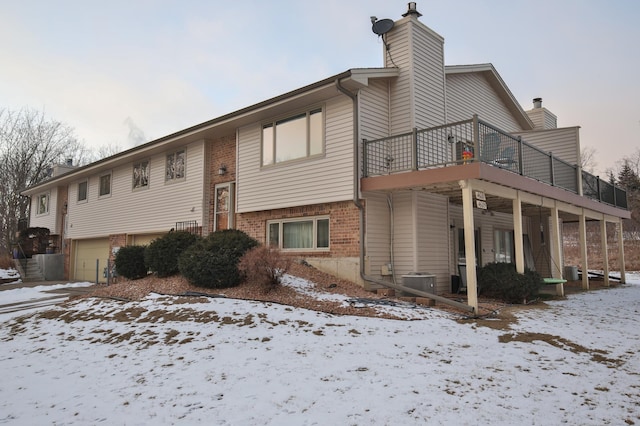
(293, 137)
(176, 162)
(503, 245)
(82, 191)
(298, 234)
(141, 174)
(462, 250)
(105, 185)
(43, 204)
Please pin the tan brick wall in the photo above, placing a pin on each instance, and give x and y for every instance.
(344, 226)
(116, 240)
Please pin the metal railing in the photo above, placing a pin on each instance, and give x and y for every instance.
(475, 140)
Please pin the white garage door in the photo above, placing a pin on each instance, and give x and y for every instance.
(86, 253)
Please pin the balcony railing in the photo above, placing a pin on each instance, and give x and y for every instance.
(475, 140)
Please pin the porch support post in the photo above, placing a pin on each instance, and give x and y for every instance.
(469, 245)
(605, 252)
(555, 241)
(517, 233)
(619, 230)
(582, 234)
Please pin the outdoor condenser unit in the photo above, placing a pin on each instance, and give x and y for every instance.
(422, 281)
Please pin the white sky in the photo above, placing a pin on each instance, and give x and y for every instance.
(234, 362)
(156, 67)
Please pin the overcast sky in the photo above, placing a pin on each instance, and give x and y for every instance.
(121, 72)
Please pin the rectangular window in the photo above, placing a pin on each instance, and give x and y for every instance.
(176, 163)
(503, 245)
(299, 234)
(82, 191)
(141, 174)
(105, 185)
(294, 137)
(43, 204)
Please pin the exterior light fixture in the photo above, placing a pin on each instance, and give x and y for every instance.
(222, 170)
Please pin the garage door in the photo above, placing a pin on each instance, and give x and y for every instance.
(143, 239)
(86, 253)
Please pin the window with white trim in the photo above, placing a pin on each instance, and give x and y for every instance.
(176, 165)
(43, 204)
(82, 191)
(309, 233)
(141, 174)
(104, 188)
(294, 137)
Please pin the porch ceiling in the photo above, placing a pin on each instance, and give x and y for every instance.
(503, 185)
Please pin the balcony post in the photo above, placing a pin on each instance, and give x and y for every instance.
(520, 162)
(598, 188)
(476, 138)
(553, 177)
(414, 154)
(365, 159)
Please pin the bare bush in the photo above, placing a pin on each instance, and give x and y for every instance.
(264, 266)
(6, 262)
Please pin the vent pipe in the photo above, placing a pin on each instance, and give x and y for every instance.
(537, 103)
(411, 10)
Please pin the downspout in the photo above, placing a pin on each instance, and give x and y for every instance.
(358, 204)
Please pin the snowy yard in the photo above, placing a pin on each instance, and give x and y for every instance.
(168, 360)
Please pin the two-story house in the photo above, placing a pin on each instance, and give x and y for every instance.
(370, 174)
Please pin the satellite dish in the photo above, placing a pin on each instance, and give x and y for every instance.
(382, 26)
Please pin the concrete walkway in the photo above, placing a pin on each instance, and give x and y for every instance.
(48, 297)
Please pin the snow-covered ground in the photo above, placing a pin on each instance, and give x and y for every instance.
(10, 274)
(169, 360)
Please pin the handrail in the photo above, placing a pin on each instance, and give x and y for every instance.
(476, 140)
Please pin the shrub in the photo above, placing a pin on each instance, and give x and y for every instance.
(213, 261)
(161, 256)
(130, 262)
(209, 269)
(6, 262)
(236, 242)
(502, 281)
(264, 266)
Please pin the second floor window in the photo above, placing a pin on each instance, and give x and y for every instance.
(141, 174)
(43, 204)
(294, 137)
(82, 191)
(176, 162)
(105, 185)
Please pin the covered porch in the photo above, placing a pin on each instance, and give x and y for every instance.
(522, 185)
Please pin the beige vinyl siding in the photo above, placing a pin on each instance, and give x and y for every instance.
(49, 219)
(404, 233)
(428, 68)
(543, 119)
(378, 240)
(564, 143)
(374, 110)
(471, 93)
(432, 238)
(401, 112)
(154, 209)
(321, 179)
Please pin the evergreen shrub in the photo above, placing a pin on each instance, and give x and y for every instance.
(130, 262)
(501, 281)
(161, 256)
(213, 261)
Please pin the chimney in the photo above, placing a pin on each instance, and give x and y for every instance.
(69, 162)
(411, 10)
(537, 103)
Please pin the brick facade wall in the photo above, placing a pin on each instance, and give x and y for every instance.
(344, 225)
(116, 240)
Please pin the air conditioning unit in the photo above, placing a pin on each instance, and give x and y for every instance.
(422, 281)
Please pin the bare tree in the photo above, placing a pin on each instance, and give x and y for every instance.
(30, 144)
(588, 159)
